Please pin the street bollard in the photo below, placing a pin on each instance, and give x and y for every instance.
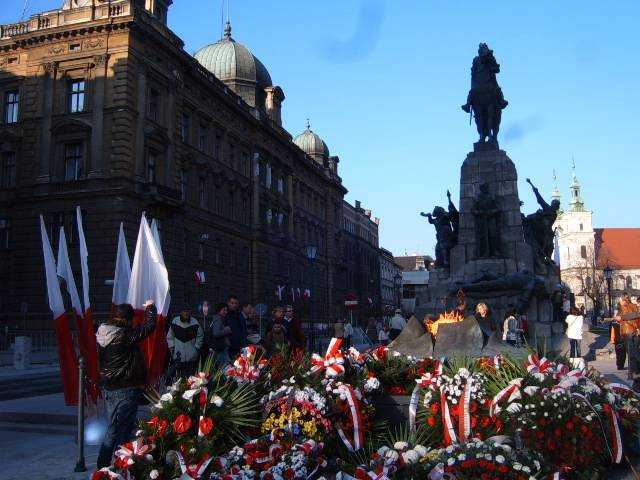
(80, 464)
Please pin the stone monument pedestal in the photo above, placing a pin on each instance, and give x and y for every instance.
(506, 275)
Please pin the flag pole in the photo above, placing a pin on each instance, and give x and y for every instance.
(80, 464)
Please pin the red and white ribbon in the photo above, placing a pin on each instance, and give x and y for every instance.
(333, 362)
(538, 367)
(449, 431)
(510, 392)
(356, 357)
(245, 369)
(623, 387)
(128, 452)
(193, 471)
(464, 418)
(380, 353)
(615, 433)
(196, 384)
(356, 419)
(427, 380)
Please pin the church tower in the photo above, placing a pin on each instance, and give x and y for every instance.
(575, 243)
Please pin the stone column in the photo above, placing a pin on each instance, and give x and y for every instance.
(46, 87)
(141, 104)
(96, 168)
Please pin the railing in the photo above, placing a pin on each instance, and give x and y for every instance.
(42, 341)
(12, 29)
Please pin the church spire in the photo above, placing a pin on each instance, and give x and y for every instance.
(556, 191)
(577, 205)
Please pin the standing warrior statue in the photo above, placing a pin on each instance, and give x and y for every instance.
(485, 100)
(445, 237)
(538, 226)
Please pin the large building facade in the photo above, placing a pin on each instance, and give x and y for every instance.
(104, 109)
(390, 282)
(583, 252)
(358, 272)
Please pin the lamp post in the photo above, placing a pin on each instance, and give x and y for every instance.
(397, 282)
(312, 252)
(608, 275)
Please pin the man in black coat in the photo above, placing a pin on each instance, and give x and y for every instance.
(122, 374)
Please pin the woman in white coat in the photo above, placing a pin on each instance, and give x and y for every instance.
(574, 331)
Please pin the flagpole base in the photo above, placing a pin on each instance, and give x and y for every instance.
(80, 466)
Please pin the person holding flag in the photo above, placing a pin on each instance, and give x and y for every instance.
(123, 373)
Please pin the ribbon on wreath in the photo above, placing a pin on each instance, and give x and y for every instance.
(382, 472)
(356, 357)
(449, 430)
(427, 380)
(189, 471)
(438, 473)
(128, 452)
(333, 362)
(511, 392)
(356, 419)
(196, 384)
(107, 474)
(245, 368)
(538, 367)
(615, 433)
(464, 418)
(622, 387)
(380, 354)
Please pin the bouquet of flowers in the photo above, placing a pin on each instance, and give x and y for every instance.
(457, 406)
(248, 366)
(397, 372)
(483, 460)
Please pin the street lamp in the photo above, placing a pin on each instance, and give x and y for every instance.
(397, 279)
(312, 252)
(608, 275)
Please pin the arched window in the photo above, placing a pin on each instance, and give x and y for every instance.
(583, 251)
(581, 227)
(629, 282)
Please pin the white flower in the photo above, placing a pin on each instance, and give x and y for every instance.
(392, 455)
(410, 457)
(139, 433)
(500, 459)
(488, 456)
(526, 469)
(167, 397)
(514, 408)
(531, 390)
(382, 450)
(217, 400)
(536, 464)
(462, 457)
(517, 466)
(451, 461)
(401, 446)
(449, 449)
(420, 450)
(153, 474)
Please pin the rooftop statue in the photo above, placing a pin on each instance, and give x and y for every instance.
(485, 100)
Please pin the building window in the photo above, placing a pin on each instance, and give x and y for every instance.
(77, 91)
(267, 177)
(7, 169)
(281, 185)
(583, 251)
(201, 252)
(232, 204)
(185, 127)
(216, 153)
(5, 230)
(581, 227)
(151, 166)
(245, 211)
(202, 192)
(11, 106)
(184, 183)
(153, 109)
(72, 161)
(629, 282)
(245, 164)
(232, 156)
(202, 137)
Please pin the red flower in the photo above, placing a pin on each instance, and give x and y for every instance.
(431, 421)
(206, 425)
(289, 474)
(182, 424)
(202, 398)
(485, 422)
(159, 426)
(435, 408)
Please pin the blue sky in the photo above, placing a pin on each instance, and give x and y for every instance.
(382, 82)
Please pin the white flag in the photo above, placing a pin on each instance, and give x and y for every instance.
(123, 271)
(149, 276)
(64, 271)
(84, 260)
(156, 237)
(53, 287)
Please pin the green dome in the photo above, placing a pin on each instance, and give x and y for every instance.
(311, 143)
(229, 60)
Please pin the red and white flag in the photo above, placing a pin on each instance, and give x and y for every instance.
(86, 334)
(150, 280)
(122, 274)
(64, 271)
(66, 350)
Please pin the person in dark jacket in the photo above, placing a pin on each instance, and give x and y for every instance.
(238, 326)
(487, 326)
(122, 374)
